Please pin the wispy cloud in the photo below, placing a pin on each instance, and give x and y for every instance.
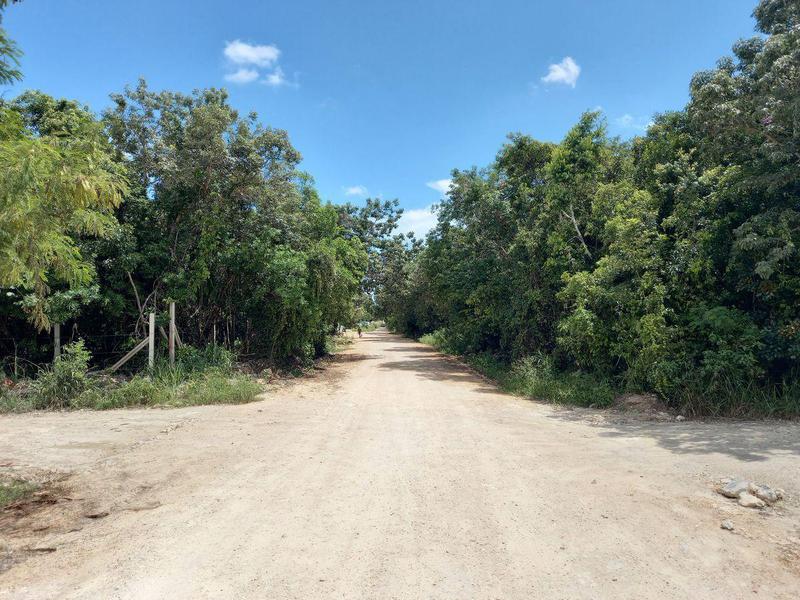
(276, 78)
(566, 72)
(355, 190)
(633, 123)
(441, 185)
(418, 220)
(242, 76)
(250, 59)
(242, 53)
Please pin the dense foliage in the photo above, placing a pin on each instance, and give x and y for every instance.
(216, 217)
(168, 197)
(667, 264)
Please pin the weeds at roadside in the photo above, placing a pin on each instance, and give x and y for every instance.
(204, 376)
(15, 490)
(537, 377)
(199, 376)
(534, 377)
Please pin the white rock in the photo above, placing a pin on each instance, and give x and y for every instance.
(727, 524)
(735, 488)
(680, 418)
(747, 500)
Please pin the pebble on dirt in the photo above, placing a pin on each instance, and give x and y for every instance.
(766, 493)
(749, 501)
(727, 524)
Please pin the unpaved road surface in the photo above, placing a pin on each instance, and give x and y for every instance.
(397, 473)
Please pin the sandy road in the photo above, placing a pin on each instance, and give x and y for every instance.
(397, 473)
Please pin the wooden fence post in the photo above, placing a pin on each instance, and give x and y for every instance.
(171, 340)
(151, 341)
(56, 341)
(215, 334)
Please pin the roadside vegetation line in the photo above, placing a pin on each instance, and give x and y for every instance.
(208, 376)
(666, 264)
(535, 377)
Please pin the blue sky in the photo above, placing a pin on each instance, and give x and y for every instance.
(386, 98)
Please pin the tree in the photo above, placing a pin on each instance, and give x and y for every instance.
(9, 53)
(55, 184)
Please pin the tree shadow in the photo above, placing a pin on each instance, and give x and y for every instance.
(418, 349)
(354, 357)
(437, 367)
(749, 441)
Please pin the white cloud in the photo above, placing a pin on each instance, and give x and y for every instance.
(566, 72)
(418, 220)
(628, 121)
(276, 78)
(355, 190)
(242, 76)
(242, 53)
(441, 185)
(250, 60)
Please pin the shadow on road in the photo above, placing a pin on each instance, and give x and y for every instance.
(747, 441)
(435, 367)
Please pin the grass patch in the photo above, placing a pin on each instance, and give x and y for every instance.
(740, 399)
(534, 377)
(15, 400)
(15, 490)
(211, 387)
(216, 388)
(371, 326)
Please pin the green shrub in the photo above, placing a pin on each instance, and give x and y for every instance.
(193, 360)
(58, 386)
(11, 491)
(441, 340)
(537, 377)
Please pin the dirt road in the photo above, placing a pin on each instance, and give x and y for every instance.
(397, 473)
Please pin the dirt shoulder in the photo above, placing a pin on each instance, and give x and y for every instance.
(395, 473)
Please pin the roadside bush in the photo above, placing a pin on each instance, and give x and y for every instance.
(58, 386)
(441, 340)
(192, 360)
(536, 377)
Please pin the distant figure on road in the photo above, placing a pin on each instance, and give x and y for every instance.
(359, 331)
